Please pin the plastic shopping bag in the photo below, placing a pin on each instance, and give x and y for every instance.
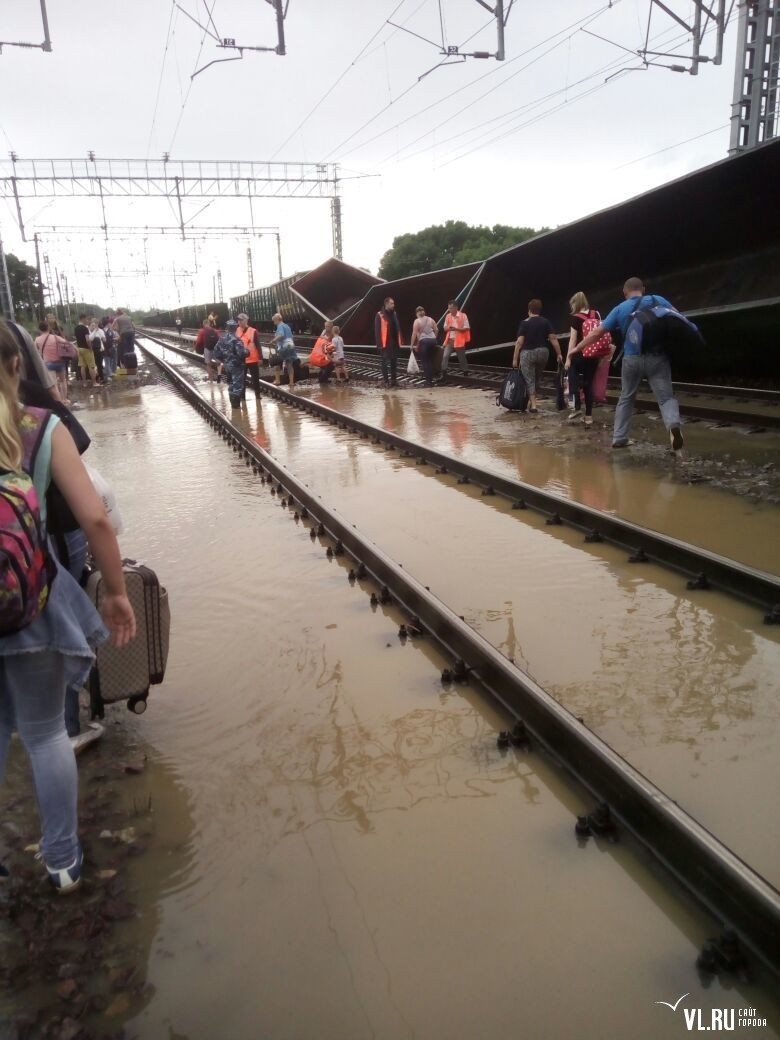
(106, 493)
(413, 368)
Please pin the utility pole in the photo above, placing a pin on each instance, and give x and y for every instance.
(249, 272)
(6, 296)
(219, 286)
(755, 109)
(279, 254)
(41, 304)
(49, 280)
(335, 217)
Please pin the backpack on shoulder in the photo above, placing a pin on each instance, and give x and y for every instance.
(657, 329)
(27, 569)
(513, 394)
(603, 344)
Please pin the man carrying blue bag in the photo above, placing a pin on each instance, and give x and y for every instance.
(650, 327)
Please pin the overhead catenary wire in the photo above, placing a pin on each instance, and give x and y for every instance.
(160, 79)
(671, 147)
(338, 80)
(585, 19)
(186, 98)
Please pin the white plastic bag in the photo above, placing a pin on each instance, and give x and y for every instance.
(106, 492)
(413, 368)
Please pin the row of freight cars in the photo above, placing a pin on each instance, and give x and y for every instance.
(260, 304)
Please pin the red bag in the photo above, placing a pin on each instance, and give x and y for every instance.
(603, 345)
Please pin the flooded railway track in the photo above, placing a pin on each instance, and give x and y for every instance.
(734, 893)
(702, 569)
(724, 406)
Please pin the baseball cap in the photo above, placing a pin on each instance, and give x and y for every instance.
(243, 317)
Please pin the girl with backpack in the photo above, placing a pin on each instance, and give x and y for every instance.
(580, 365)
(48, 626)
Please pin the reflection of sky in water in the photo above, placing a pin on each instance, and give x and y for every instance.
(646, 667)
(367, 861)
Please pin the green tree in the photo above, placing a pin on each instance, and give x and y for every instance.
(24, 284)
(447, 245)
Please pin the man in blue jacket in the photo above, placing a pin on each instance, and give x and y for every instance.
(655, 368)
(233, 354)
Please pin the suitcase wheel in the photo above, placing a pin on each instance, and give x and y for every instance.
(137, 704)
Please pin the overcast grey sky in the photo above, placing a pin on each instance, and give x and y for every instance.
(485, 142)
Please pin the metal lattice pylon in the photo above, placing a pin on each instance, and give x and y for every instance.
(756, 105)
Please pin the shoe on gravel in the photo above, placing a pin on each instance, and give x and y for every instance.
(676, 438)
(623, 444)
(66, 879)
(575, 416)
(588, 420)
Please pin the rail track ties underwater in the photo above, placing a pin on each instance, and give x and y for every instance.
(623, 799)
(701, 569)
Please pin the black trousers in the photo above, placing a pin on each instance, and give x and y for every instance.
(581, 375)
(427, 354)
(389, 359)
(253, 371)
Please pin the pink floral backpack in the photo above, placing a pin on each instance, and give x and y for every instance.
(27, 569)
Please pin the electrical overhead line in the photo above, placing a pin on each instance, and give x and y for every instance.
(491, 72)
(569, 101)
(512, 113)
(192, 77)
(338, 80)
(160, 80)
(671, 147)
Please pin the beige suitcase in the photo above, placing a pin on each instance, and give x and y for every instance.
(126, 673)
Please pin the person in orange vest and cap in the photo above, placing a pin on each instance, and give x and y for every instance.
(387, 334)
(251, 339)
(457, 335)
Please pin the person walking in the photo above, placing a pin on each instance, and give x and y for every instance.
(56, 353)
(425, 332)
(178, 326)
(535, 336)
(582, 367)
(86, 357)
(205, 342)
(339, 357)
(286, 354)
(109, 348)
(457, 335)
(636, 366)
(250, 337)
(387, 335)
(125, 329)
(53, 643)
(96, 340)
(232, 353)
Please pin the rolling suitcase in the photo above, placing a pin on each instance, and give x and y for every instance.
(126, 673)
(600, 380)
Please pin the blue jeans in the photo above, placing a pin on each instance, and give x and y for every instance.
(655, 368)
(109, 365)
(32, 694)
(427, 354)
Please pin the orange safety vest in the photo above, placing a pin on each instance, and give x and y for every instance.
(459, 324)
(320, 354)
(385, 326)
(247, 337)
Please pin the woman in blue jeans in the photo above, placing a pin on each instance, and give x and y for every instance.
(56, 649)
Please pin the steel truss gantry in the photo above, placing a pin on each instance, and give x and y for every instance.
(755, 110)
(178, 181)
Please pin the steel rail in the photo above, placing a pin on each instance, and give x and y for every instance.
(702, 569)
(489, 377)
(735, 894)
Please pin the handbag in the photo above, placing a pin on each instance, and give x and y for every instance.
(66, 350)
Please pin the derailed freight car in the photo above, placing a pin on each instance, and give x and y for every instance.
(261, 304)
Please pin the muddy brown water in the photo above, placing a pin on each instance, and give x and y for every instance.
(684, 685)
(336, 848)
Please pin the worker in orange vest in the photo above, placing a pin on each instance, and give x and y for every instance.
(251, 339)
(387, 335)
(321, 356)
(457, 335)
